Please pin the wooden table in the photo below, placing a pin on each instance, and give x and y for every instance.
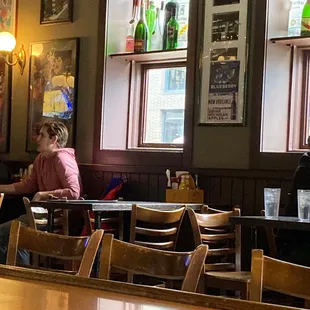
(99, 206)
(27, 289)
(283, 222)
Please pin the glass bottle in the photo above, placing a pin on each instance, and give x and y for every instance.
(172, 32)
(130, 39)
(305, 24)
(233, 108)
(141, 32)
(170, 7)
(157, 39)
(150, 14)
(294, 19)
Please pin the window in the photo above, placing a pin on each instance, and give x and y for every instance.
(286, 92)
(143, 94)
(163, 106)
(305, 108)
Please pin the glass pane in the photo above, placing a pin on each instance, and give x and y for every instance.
(165, 101)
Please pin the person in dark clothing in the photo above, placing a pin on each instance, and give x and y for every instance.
(294, 245)
(301, 180)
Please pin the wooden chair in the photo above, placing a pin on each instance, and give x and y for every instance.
(111, 222)
(152, 262)
(223, 263)
(217, 208)
(1, 199)
(280, 276)
(37, 218)
(55, 246)
(154, 228)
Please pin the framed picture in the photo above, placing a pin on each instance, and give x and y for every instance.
(8, 15)
(224, 62)
(52, 86)
(56, 11)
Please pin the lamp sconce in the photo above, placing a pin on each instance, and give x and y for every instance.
(7, 45)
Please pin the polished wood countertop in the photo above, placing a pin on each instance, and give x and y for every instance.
(27, 289)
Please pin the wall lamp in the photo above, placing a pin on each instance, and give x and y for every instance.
(7, 45)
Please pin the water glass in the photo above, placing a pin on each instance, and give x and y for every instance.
(303, 197)
(272, 201)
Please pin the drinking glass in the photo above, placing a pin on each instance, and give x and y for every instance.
(303, 197)
(272, 201)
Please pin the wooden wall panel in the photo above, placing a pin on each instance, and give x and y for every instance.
(243, 187)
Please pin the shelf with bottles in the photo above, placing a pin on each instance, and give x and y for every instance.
(292, 41)
(167, 55)
(157, 30)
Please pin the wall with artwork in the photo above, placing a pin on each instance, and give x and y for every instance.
(60, 40)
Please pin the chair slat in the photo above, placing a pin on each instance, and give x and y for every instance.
(55, 246)
(152, 262)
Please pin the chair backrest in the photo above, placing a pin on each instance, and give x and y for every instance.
(155, 228)
(152, 262)
(223, 239)
(55, 246)
(278, 276)
(111, 222)
(1, 199)
(37, 218)
(218, 208)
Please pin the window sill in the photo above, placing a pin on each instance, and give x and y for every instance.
(155, 150)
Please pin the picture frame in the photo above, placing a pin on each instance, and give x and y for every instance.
(8, 13)
(8, 10)
(223, 78)
(53, 80)
(56, 11)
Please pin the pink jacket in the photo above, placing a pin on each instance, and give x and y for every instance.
(58, 173)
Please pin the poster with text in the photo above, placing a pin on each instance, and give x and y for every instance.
(223, 99)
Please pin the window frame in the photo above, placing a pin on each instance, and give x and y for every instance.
(155, 160)
(305, 102)
(143, 103)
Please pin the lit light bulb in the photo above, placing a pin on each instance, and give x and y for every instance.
(7, 42)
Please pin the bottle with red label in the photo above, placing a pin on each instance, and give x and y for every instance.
(130, 39)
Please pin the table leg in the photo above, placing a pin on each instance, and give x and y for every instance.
(121, 226)
(50, 221)
(95, 272)
(254, 237)
(97, 219)
(50, 229)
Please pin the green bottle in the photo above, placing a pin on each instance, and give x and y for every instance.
(141, 32)
(173, 32)
(150, 15)
(305, 24)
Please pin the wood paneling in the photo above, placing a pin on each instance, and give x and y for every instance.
(243, 187)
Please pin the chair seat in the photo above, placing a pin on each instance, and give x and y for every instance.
(240, 276)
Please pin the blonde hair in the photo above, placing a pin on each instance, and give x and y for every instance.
(56, 128)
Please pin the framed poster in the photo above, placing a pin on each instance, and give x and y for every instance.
(56, 11)
(8, 15)
(223, 63)
(52, 86)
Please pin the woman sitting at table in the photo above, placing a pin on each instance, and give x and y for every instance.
(55, 172)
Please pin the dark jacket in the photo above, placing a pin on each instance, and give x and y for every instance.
(301, 180)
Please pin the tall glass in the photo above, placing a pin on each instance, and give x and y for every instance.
(272, 201)
(303, 197)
